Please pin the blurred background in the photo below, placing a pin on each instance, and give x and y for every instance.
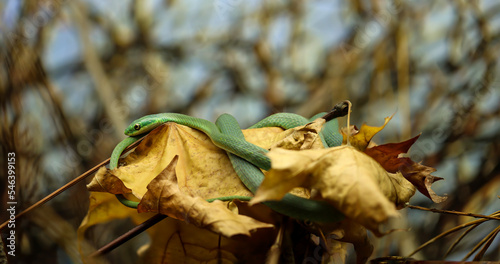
(74, 74)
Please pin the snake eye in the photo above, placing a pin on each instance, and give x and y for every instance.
(137, 126)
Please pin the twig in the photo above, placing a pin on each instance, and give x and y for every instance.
(459, 239)
(456, 228)
(491, 236)
(348, 123)
(434, 210)
(273, 255)
(66, 186)
(478, 245)
(445, 234)
(129, 235)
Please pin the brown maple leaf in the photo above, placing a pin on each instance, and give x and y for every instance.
(388, 155)
(420, 176)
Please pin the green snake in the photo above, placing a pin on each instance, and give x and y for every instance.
(246, 157)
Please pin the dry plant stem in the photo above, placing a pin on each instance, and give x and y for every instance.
(475, 222)
(453, 212)
(459, 239)
(445, 234)
(129, 235)
(349, 123)
(490, 239)
(66, 186)
(273, 256)
(482, 242)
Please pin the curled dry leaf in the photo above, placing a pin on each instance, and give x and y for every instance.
(361, 139)
(302, 137)
(285, 174)
(348, 179)
(165, 197)
(388, 155)
(420, 176)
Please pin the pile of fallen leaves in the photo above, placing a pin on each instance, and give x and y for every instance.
(176, 168)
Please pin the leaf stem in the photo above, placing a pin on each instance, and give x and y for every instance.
(349, 122)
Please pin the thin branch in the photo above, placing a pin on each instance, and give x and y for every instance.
(491, 236)
(129, 235)
(478, 245)
(66, 186)
(434, 210)
(459, 239)
(454, 229)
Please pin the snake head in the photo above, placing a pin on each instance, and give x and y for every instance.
(133, 129)
(142, 125)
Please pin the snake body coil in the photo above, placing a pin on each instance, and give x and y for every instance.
(245, 157)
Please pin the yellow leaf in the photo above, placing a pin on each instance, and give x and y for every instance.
(103, 207)
(104, 181)
(165, 197)
(289, 170)
(174, 241)
(403, 190)
(203, 169)
(361, 139)
(348, 179)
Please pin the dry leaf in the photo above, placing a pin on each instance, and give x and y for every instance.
(287, 172)
(104, 181)
(302, 137)
(174, 241)
(404, 190)
(203, 169)
(103, 207)
(165, 197)
(420, 176)
(361, 139)
(388, 155)
(348, 179)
